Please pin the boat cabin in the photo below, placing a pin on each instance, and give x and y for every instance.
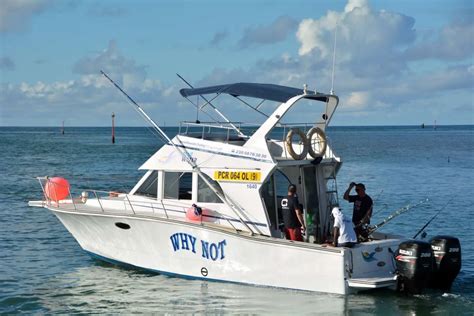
(237, 173)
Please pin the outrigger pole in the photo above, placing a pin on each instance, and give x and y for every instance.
(184, 153)
(215, 109)
(400, 211)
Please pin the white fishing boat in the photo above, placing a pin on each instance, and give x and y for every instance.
(208, 205)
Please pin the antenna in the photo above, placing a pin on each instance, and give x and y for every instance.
(197, 110)
(333, 61)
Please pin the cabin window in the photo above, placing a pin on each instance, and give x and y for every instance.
(205, 193)
(149, 186)
(178, 185)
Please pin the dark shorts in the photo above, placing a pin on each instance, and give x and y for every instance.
(347, 244)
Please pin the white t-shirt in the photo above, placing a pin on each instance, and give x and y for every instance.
(346, 229)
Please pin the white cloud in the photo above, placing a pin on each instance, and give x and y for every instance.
(368, 42)
(377, 74)
(90, 98)
(374, 76)
(16, 14)
(276, 32)
(470, 69)
(353, 4)
(357, 100)
(453, 42)
(218, 38)
(111, 61)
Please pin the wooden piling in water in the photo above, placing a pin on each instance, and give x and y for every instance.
(113, 128)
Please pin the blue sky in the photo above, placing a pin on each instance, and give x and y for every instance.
(398, 62)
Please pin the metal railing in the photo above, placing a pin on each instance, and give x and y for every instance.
(205, 130)
(90, 200)
(286, 127)
(103, 200)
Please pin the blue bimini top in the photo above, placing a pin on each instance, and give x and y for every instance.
(264, 91)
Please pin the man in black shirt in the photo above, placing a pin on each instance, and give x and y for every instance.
(362, 206)
(292, 215)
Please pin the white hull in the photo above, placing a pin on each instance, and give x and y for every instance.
(198, 251)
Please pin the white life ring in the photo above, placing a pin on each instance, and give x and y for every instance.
(289, 144)
(317, 145)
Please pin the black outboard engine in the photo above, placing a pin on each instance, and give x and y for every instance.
(447, 254)
(414, 261)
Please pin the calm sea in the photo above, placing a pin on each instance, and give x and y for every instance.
(43, 269)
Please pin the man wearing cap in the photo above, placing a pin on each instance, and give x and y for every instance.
(362, 206)
(343, 230)
(292, 215)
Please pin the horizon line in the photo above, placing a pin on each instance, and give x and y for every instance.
(143, 126)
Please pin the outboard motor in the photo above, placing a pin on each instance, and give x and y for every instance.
(447, 254)
(414, 261)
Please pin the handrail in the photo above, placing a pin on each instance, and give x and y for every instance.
(204, 129)
(131, 206)
(164, 208)
(208, 124)
(96, 195)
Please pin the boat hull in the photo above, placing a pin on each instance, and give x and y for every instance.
(200, 252)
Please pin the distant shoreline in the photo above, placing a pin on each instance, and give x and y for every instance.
(177, 126)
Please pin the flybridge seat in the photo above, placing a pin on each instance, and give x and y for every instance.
(219, 132)
(233, 139)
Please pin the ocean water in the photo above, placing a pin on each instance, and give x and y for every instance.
(43, 269)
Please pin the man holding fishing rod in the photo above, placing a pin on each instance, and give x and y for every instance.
(362, 208)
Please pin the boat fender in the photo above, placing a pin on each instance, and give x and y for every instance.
(194, 213)
(200, 214)
(316, 146)
(56, 189)
(289, 144)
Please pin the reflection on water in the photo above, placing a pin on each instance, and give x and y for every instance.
(113, 289)
(106, 287)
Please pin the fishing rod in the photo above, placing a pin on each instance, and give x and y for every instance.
(187, 156)
(197, 103)
(432, 218)
(395, 214)
(375, 199)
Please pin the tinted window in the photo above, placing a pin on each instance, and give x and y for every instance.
(178, 185)
(205, 193)
(149, 187)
